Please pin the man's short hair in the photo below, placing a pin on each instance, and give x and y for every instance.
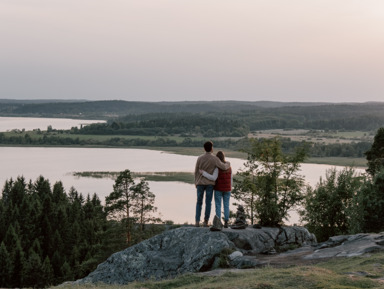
(208, 146)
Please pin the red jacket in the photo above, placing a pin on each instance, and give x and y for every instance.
(223, 182)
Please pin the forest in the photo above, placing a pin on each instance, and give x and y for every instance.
(258, 115)
(187, 124)
(48, 235)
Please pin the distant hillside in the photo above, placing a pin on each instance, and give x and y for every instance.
(46, 108)
(29, 101)
(258, 115)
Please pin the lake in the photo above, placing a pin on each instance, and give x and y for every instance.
(31, 123)
(175, 200)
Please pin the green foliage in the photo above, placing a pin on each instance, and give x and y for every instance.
(130, 203)
(120, 201)
(345, 203)
(5, 266)
(270, 185)
(244, 115)
(375, 155)
(368, 205)
(328, 208)
(53, 230)
(144, 205)
(49, 236)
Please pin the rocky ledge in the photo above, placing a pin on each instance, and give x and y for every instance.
(190, 249)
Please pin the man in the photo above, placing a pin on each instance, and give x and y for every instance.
(206, 162)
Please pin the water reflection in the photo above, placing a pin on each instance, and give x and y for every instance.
(175, 200)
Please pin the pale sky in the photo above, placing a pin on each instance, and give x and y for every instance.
(183, 50)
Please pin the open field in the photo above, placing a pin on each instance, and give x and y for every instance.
(339, 161)
(317, 136)
(38, 134)
(328, 138)
(358, 272)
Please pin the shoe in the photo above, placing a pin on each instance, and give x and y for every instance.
(197, 224)
(205, 224)
(225, 224)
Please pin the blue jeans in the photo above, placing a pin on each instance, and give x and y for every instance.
(225, 197)
(208, 189)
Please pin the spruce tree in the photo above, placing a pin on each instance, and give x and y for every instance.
(32, 270)
(3, 224)
(67, 272)
(18, 265)
(5, 266)
(47, 244)
(47, 276)
(42, 188)
(59, 196)
(61, 234)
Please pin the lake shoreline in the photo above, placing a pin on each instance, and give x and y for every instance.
(193, 151)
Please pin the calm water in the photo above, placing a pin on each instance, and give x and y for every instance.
(175, 200)
(30, 123)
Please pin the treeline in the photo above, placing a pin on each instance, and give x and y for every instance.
(354, 149)
(242, 117)
(121, 108)
(48, 236)
(169, 124)
(237, 124)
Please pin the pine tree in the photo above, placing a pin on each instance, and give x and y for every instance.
(119, 203)
(144, 204)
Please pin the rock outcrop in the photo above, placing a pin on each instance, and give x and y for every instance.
(190, 249)
(348, 246)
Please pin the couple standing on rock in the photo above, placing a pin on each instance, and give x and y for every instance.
(212, 173)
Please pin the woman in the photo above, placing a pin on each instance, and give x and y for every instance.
(222, 188)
